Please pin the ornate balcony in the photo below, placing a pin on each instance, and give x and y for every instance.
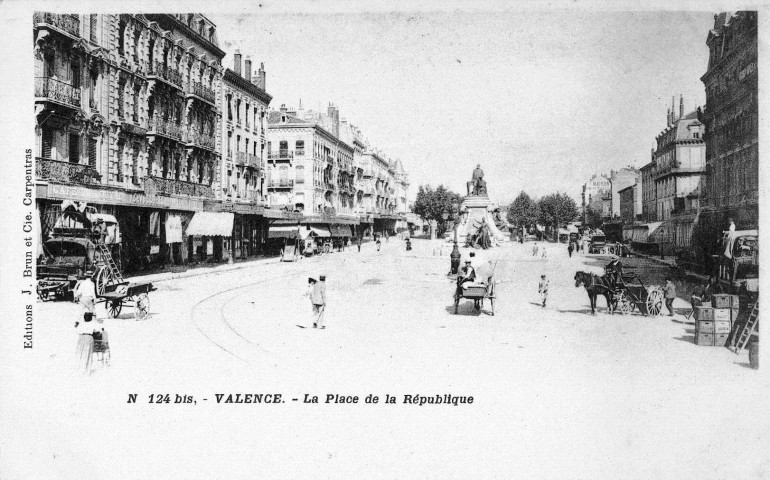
(57, 91)
(158, 126)
(165, 73)
(202, 92)
(195, 138)
(282, 155)
(283, 183)
(66, 172)
(241, 158)
(177, 187)
(69, 23)
(253, 161)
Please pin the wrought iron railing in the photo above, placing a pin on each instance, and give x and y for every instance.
(201, 91)
(70, 23)
(66, 172)
(284, 183)
(53, 89)
(157, 69)
(280, 155)
(158, 125)
(193, 136)
(178, 187)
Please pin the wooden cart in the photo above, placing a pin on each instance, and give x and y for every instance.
(134, 295)
(476, 292)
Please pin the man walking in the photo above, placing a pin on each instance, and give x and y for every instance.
(570, 249)
(542, 289)
(318, 298)
(669, 291)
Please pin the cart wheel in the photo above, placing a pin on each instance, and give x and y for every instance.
(114, 308)
(42, 294)
(142, 307)
(103, 278)
(624, 304)
(654, 301)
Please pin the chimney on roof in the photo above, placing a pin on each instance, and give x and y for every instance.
(673, 115)
(681, 106)
(237, 62)
(334, 115)
(262, 76)
(247, 69)
(668, 117)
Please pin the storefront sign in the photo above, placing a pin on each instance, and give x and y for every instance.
(174, 229)
(57, 191)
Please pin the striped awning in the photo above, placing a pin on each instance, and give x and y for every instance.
(283, 231)
(319, 230)
(211, 224)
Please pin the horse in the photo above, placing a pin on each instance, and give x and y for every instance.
(595, 286)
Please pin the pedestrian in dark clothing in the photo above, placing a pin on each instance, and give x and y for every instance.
(570, 249)
(669, 292)
(359, 244)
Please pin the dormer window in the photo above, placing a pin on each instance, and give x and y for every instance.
(695, 135)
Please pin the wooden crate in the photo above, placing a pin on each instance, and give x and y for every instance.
(704, 313)
(722, 300)
(735, 301)
(704, 339)
(704, 326)
(720, 339)
(722, 327)
(722, 314)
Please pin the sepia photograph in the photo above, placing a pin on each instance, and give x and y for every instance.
(396, 240)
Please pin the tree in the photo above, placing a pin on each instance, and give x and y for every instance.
(523, 211)
(594, 213)
(556, 210)
(431, 204)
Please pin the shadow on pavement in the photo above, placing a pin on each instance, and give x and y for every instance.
(743, 364)
(585, 311)
(686, 338)
(465, 308)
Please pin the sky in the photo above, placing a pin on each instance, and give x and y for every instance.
(542, 100)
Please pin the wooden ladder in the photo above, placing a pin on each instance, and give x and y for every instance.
(109, 262)
(749, 329)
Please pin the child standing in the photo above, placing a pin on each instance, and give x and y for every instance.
(542, 289)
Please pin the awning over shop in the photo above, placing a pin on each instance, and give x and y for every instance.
(340, 231)
(211, 224)
(283, 231)
(645, 233)
(319, 230)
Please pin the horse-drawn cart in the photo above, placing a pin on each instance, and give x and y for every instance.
(631, 293)
(476, 292)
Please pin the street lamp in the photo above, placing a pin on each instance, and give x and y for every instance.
(455, 255)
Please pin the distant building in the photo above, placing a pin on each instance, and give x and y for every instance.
(620, 179)
(671, 181)
(731, 119)
(593, 190)
(630, 199)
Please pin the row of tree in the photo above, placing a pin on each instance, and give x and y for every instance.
(552, 211)
(440, 205)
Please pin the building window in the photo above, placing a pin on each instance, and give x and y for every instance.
(74, 148)
(300, 147)
(121, 99)
(238, 111)
(246, 115)
(230, 108)
(92, 91)
(75, 75)
(696, 135)
(135, 164)
(136, 104)
(47, 142)
(238, 143)
(229, 144)
(300, 174)
(92, 152)
(121, 37)
(92, 23)
(283, 147)
(120, 161)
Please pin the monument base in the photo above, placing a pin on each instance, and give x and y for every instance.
(478, 209)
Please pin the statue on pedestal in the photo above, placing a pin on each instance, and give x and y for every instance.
(477, 185)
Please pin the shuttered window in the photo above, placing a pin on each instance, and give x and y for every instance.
(93, 27)
(74, 148)
(47, 143)
(92, 152)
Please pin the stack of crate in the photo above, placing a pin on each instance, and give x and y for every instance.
(714, 320)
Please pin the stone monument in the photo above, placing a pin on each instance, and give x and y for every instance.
(477, 213)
